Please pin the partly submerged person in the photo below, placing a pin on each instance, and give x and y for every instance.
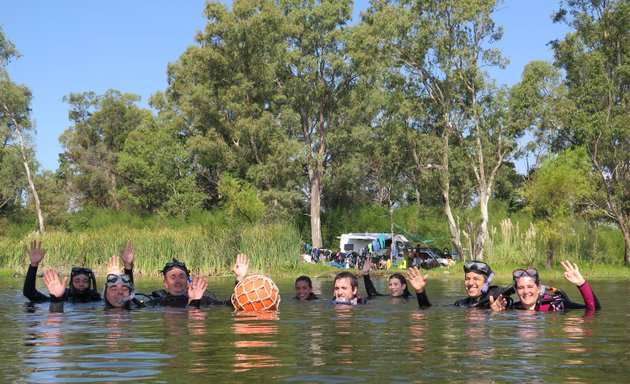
(534, 296)
(82, 280)
(397, 285)
(304, 289)
(177, 280)
(480, 293)
(346, 288)
(118, 291)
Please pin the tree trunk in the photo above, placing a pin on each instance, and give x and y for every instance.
(316, 231)
(482, 228)
(31, 184)
(446, 186)
(550, 253)
(626, 238)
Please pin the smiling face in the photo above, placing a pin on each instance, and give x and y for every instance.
(344, 291)
(527, 291)
(396, 287)
(302, 290)
(116, 294)
(473, 283)
(176, 282)
(81, 282)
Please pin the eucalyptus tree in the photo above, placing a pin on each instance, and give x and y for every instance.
(318, 78)
(15, 122)
(260, 93)
(93, 143)
(596, 59)
(224, 93)
(156, 171)
(441, 49)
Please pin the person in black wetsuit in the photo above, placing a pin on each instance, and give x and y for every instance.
(176, 283)
(117, 293)
(82, 280)
(477, 279)
(304, 289)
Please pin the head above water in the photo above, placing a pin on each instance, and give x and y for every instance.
(118, 290)
(397, 284)
(303, 288)
(82, 281)
(527, 286)
(176, 277)
(477, 278)
(346, 286)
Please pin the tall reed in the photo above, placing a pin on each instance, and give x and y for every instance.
(270, 247)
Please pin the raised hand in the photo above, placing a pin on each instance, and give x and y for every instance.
(241, 266)
(572, 273)
(36, 253)
(128, 254)
(499, 304)
(415, 278)
(113, 266)
(55, 287)
(197, 288)
(367, 267)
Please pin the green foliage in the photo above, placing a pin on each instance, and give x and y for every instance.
(561, 186)
(158, 172)
(596, 59)
(241, 200)
(210, 250)
(92, 145)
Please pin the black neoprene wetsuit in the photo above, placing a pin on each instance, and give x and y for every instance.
(36, 296)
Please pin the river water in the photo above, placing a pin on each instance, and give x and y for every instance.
(385, 341)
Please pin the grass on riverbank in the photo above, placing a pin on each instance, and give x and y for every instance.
(211, 251)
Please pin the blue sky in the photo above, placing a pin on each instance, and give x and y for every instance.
(79, 46)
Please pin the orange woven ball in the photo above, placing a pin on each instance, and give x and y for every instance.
(256, 293)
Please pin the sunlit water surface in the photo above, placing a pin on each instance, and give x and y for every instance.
(385, 341)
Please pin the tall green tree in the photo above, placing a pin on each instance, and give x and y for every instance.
(101, 124)
(157, 171)
(596, 59)
(440, 48)
(318, 80)
(224, 91)
(15, 123)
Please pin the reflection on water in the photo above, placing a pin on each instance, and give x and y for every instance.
(316, 342)
(256, 340)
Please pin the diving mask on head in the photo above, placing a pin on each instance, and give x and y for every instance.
(122, 280)
(176, 264)
(483, 269)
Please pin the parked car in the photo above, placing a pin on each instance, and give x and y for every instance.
(427, 258)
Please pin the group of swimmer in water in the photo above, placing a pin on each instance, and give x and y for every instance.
(181, 290)
(478, 276)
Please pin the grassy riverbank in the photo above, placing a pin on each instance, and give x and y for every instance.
(272, 248)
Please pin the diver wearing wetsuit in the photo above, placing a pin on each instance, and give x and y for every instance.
(176, 280)
(537, 297)
(82, 287)
(477, 279)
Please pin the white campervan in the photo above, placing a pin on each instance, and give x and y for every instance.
(354, 242)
